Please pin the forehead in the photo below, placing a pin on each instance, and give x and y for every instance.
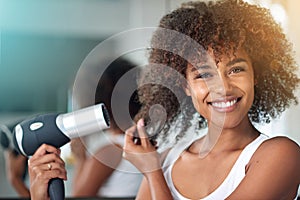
(213, 58)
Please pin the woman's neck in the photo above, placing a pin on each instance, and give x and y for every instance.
(219, 139)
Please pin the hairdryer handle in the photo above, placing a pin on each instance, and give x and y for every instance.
(56, 189)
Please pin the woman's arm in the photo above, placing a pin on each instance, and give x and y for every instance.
(154, 186)
(273, 172)
(15, 168)
(44, 165)
(97, 169)
(79, 152)
(144, 156)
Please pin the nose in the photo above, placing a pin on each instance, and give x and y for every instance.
(221, 85)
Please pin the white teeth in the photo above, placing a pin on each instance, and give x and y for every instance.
(224, 104)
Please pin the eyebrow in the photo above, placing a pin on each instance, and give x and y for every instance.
(230, 63)
(200, 67)
(234, 61)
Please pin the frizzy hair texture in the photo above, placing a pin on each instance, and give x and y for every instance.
(223, 25)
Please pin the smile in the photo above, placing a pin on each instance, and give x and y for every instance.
(225, 104)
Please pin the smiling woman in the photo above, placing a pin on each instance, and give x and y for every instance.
(223, 92)
(236, 68)
(256, 32)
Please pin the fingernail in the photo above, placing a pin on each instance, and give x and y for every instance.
(137, 141)
(141, 123)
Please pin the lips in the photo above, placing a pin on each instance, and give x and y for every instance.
(225, 104)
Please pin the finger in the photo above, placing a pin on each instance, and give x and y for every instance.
(142, 132)
(131, 131)
(44, 149)
(135, 136)
(42, 169)
(46, 175)
(47, 166)
(54, 166)
(47, 158)
(129, 135)
(58, 173)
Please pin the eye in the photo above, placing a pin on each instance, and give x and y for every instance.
(204, 75)
(236, 70)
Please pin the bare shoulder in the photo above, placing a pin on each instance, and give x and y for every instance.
(281, 145)
(284, 140)
(272, 172)
(281, 153)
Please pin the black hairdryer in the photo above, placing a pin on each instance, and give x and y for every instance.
(6, 135)
(57, 130)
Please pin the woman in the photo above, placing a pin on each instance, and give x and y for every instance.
(99, 170)
(231, 63)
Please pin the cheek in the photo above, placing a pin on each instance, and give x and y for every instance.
(198, 94)
(249, 88)
(252, 93)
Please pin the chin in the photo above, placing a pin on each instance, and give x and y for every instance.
(225, 123)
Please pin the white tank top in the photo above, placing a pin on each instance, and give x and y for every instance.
(235, 176)
(126, 178)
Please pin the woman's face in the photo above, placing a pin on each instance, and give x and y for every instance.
(222, 92)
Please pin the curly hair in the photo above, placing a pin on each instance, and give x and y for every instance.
(222, 25)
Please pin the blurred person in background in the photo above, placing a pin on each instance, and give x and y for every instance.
(100, 169)
(15, 163)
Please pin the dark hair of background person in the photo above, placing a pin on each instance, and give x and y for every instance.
(106, 85)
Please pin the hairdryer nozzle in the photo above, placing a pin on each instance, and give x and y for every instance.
(84, 121)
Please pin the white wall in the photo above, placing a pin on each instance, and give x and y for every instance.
(292, 116)
(289, 123)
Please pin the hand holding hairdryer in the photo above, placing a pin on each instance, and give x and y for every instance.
(57, 130)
